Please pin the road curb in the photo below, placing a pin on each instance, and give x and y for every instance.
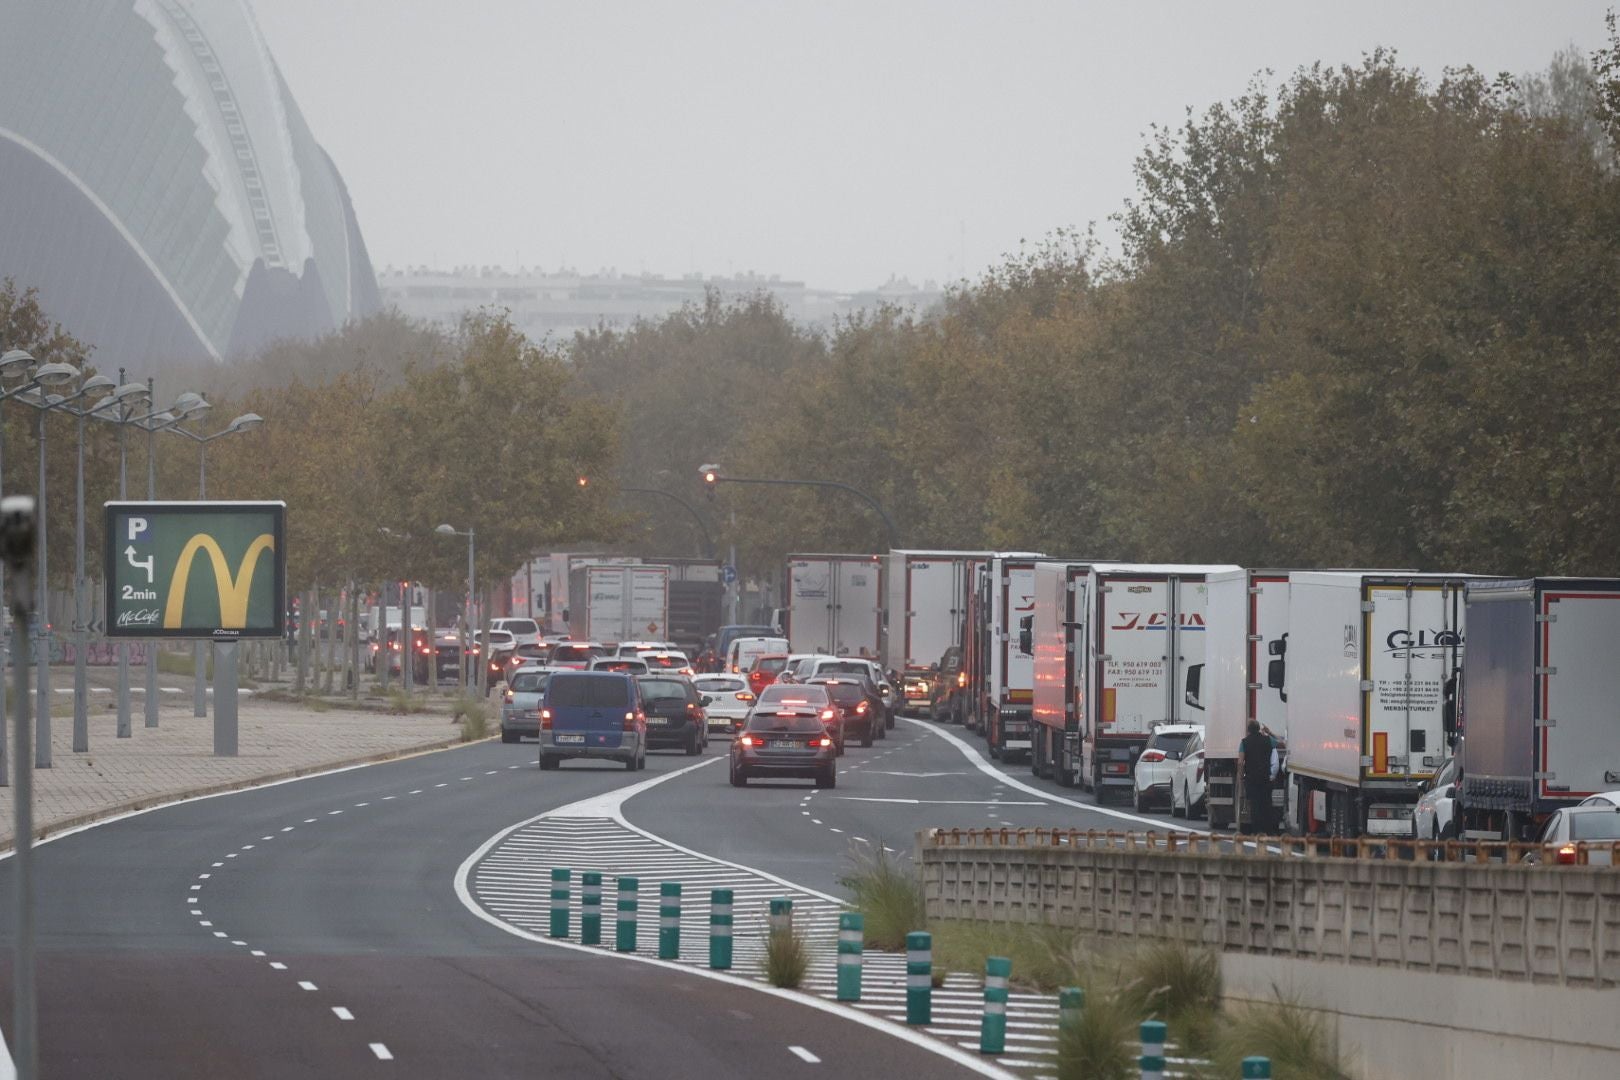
(153, 802)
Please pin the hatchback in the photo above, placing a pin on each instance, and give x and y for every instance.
(729, 701)
(1156, 768)
(521, 704)
(675, 714)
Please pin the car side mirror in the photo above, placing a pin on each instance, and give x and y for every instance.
(1026, 635)
(1448, 709)
(1276, 672)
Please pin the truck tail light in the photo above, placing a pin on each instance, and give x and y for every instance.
(545, 719)
(961, 679)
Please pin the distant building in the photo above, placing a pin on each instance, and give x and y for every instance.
(555, 305)
(160, 186)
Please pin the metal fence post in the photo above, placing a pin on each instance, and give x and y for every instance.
(851, 940)
(919, 977)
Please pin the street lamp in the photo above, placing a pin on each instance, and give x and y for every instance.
(13, 362)
(467, 613)
(189, 405)
(128, 399)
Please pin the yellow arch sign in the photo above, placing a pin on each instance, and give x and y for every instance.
(233, 592)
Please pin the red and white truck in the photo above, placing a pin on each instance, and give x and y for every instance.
(1112, 645)
(834, 604)
(1370, 666)
(926, 610)
(1540, 701)
(1240, 680)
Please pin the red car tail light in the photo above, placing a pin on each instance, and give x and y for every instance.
(747, 740)
(1200, 772)
(545, 719)
(1566, 855)
(1152, 755)
(826, 714)
(824, 741)
(861, 708)
(632, 719)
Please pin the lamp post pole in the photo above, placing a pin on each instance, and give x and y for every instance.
(468, 619)
(151, 703)
(42, 619)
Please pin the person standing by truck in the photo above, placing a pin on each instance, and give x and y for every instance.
(1256, 753)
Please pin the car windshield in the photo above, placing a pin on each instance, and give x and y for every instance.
(521, 626)
(629, 667)
(530, 682)
(793, 695)
(664, 660)
(1602, 825)
(1173, 743)
(846, 693)
(770, 721)
(663, 689)
(573, 653)
(843, 667)
(720, 685)
(598, 691)
(770, 664)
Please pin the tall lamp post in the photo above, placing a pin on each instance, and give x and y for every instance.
(245, 422)
(187, 404)
(467, 613)
(129, 399)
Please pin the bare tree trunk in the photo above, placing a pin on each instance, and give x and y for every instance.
(483, 653)
(305, 639)
(354, 642)
(334, 608)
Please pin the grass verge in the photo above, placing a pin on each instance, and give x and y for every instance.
(473, 712)
(888, 894)
(786, 959)
(1302, 1044)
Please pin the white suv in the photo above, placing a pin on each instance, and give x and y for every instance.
(523, 631)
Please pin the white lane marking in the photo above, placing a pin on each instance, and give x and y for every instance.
(288, 828)
(862, 839)
(341, 1013)
(204, 877)
(247, 847)
(304, 985)
(441, 785)
(492, 772)
(418, 791)
(204, 922)
(232, 855)
(834, 828)
(219, 933)
(278, 965)
(241, 943)
(310, 820)
(255, 952)
(466, 778)
(194, 888)
(266, 838)
(804, 1055)
(386, 798)
(815, 821)
(382, 1052)
(358, 805)
(941, 802)
(217, 864)
(333, 813)
(990, 770)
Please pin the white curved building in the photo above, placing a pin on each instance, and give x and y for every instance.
(159, 186)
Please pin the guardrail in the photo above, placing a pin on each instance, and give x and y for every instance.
(1199, 843)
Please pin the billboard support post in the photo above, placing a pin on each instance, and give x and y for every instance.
(225, 684)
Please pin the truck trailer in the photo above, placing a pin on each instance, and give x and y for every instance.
(612, 603)
(1369, 669)
(1240, 680)
(834, 604)
(1538, 701)
(1113, 644)
(1000, 684)
(925, 609)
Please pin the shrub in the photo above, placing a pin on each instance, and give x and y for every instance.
(786, 959)
(403, 704)
(1302, 1044)
(1102, 1044)
(887, 894)
(473, 713)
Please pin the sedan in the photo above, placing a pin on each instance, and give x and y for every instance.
(674, 711)
(784, 739)
(1577, 834)
(729, 701)
(1156, 768)
(521, 703)
(861, 707)
(777, 696)
(1187, 789)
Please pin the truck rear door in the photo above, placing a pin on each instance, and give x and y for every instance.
(1414, 641)
(810, 604)
(931, 591)
(855, 611)
(1133, 661)
(1579, 688)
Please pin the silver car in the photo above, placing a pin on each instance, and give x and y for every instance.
(520, 705)
(730, 700)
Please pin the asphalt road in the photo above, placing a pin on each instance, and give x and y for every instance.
(311, 929)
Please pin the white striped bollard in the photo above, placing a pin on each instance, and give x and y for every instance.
(624, 931)
(919, 977)
(1071, 999)
(1153, 1036)
(590, 909)
(720, 929)
(559, 901)
(993, 1029)
(1256, 1068)
(781, 915)
(851, 940)
(669, 920)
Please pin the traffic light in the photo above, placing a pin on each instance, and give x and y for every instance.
(584, 480)
(711, 480)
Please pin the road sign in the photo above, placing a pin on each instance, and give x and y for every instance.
(215, 571)
(728, 574)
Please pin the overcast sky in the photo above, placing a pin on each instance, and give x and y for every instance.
(831, 141)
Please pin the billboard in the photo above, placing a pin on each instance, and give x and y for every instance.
(208, 570)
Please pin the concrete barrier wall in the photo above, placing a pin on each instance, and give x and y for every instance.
(1438, 970)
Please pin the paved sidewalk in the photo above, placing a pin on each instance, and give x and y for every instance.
(158, 765)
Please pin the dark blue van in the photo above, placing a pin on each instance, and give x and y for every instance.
(593, 714)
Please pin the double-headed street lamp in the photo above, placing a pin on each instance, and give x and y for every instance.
(245, 422)
(472, 595)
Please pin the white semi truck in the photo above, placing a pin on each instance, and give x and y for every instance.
(615, 603)
(1000, 681)
(1369, 669)
(1113, 644)
(1240, 680)
(1540, 701)
(834, 604)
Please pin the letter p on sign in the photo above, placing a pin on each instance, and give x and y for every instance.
(137, 526)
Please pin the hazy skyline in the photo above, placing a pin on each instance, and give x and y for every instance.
(836, 142)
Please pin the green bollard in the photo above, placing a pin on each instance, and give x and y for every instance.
(1256, 1068)
(669, 920)
(781, 915)
(1070, 1001)
(559, 901)
(720, 929)
(851, 937)
(624, 939)
(993, 1029)
(590, 911)
(1153, 1037)
(919, 977)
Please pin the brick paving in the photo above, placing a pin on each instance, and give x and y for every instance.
(161, 764)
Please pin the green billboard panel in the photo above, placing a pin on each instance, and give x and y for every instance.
(211, 570)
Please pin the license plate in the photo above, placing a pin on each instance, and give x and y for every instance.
(657, 721)
(788, 744)
(570, 738)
